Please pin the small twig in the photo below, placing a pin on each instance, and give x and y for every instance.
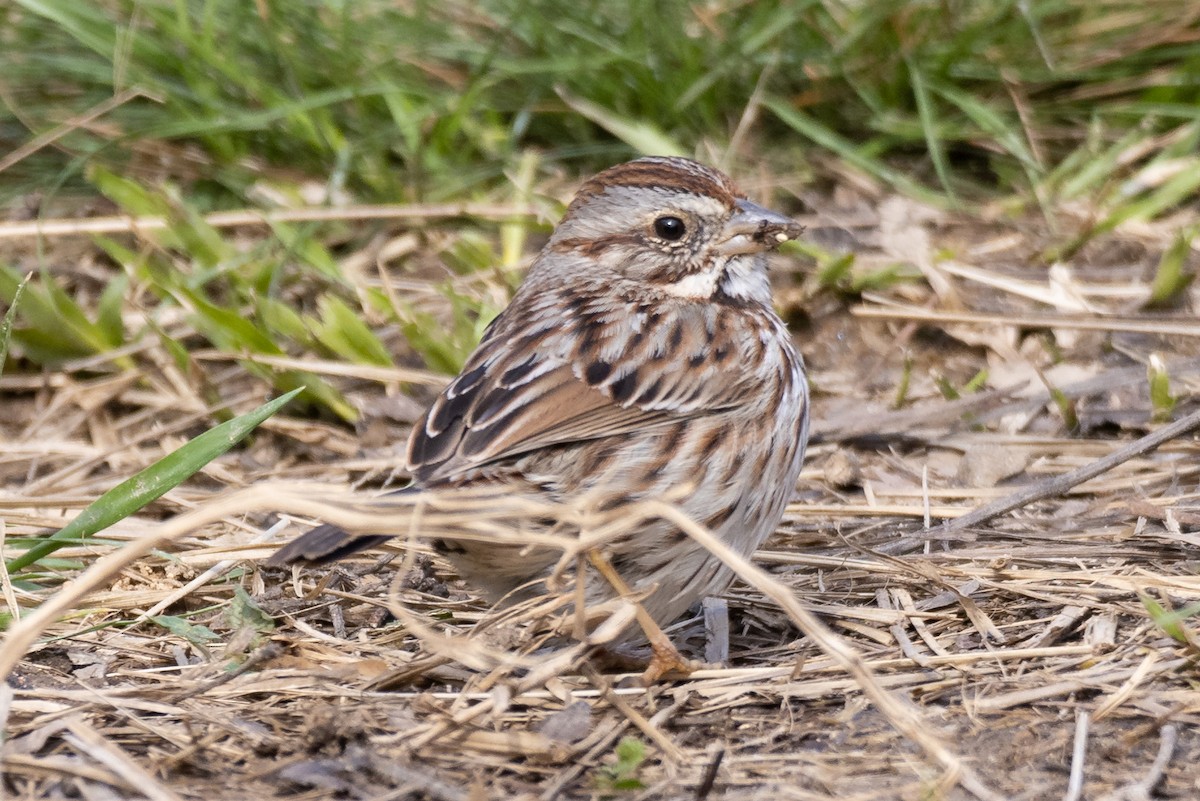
(85, 226)
(1141, 791)
(855, 425)
(582, 763)
(1166, 749)
(1057, 485)
(410, 776)
(6, 699)
(266, 653)
(716, 753)
(1075, 322)
(750, 112)
(1075, 783)
(59, 131)
(1145, 669)
(669, 750)
(219, 569)
(899, 711)
(86, 740)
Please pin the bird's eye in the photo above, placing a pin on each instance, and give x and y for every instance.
(671, 229)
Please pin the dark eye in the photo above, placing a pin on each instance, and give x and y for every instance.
(671, 229)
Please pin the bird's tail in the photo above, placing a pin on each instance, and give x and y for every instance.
(326, 543)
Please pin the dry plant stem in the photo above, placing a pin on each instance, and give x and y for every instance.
(87, 226)
(59, 131)
(1060, 484)
(903, 422)
(6, 587)
(1147, 325)
(24, 633)
(6, 699)
(1141, 791)
(384, 518)
(204, 578)
(1078, 752)
(603, 745)
(326, 367)
(86, 739)
(899, 713)
(555, 666)
(716, 753)
(65, 767)
(1122, 693)
(652, 732)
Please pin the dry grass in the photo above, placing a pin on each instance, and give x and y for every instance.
(875, 653)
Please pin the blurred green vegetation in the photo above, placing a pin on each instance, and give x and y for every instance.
(421, 101)
(175, 108)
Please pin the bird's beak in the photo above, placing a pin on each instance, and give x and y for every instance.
(753, 229)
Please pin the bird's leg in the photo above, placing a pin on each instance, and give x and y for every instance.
(666, 659)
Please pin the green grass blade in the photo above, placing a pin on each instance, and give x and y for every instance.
(929, 126)
(1171, 278)
(9, 317)
(643, 137)
(828, 139)
(150, 484)
(343, 331)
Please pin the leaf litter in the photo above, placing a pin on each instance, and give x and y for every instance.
(878, 650)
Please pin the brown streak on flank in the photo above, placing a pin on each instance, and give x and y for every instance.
(754, 346)
(714, 522)
(760, 464)
(709, 442)
(665, 455)
(676, 338)
(732, 467)
(787, 374)
(593, 461)
(773, 401)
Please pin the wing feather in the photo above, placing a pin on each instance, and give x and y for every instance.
(606, 372)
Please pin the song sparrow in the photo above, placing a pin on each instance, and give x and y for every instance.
(640, 355)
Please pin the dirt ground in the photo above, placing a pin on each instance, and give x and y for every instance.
(1036, 649)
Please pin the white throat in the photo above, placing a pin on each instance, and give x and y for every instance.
(739, 278)
(696, 286)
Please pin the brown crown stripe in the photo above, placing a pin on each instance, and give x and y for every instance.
(675, 174)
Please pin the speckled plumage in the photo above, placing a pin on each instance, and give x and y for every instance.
(626, 366)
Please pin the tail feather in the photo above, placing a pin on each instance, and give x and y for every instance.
(325, 543)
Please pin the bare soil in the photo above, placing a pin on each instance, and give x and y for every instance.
(1024, 646)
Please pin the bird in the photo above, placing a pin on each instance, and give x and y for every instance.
(640, 358)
